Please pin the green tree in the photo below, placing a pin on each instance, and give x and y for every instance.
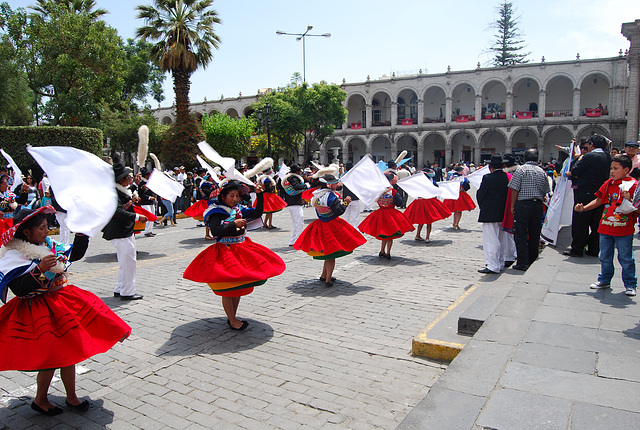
(231, 137)
(45, 7)
(508, 44)
(121, 128)
(142, 77)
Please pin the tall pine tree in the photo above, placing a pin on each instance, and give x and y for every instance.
(508, 44)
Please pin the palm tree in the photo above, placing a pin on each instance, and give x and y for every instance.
(184, 37)
(44, 7)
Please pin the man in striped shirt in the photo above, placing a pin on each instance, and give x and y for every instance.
(529, 187)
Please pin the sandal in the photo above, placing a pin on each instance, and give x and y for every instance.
(242, 327)
(49, 413)
(82, 407)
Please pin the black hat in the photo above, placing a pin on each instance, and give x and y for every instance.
(632, 143)
(496, 160)
(391, 164)
(120, 171)
(510, 159)
(329, 179)
(144, 171)
(295, 168)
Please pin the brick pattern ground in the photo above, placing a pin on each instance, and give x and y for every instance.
(313, 357)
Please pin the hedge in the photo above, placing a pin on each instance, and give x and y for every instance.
(14, 141)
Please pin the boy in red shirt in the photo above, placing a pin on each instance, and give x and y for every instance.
(616, 229)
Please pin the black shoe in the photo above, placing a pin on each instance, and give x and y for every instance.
(82, 407)
(487, 271)
(244, 325)
(149, 234)
(116, 294)
(134, 297)
(508, 263)
(387, 256)
(328, 284)
(324, 280)
(592, 254)
(522, 267)
(572, 253)
(382, 255)
(50, 413)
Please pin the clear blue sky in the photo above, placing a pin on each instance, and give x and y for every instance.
(377, 37)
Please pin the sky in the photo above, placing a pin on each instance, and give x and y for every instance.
(378, 37)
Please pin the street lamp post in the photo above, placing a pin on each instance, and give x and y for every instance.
(268, 117)
(302, 36)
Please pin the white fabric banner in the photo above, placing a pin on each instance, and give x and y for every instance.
(282, 172)
(475, 178)
(83, 184)
(450, 189)
(560, 210)
(164, 186)
(366, 181)
(226, 163)
(17, 173)
(418, 185)
(212, 173)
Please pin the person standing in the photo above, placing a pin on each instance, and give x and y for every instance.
(119, 231)
(492, 199)
(147, 199)
(588, 173)
(293, 185)
(529, 187)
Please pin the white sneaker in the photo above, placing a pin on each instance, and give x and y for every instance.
(630, 292)
(599, 285)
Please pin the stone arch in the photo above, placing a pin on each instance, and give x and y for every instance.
(408, 142)
(545, 133)
(213, 112)
(380, 148)
(232, 112)
(328, 151)
(526, 94)
(521, 78)
(433, 147)
(357, 147)
(463, 99)
(248, 111)
(489, 130)
(435, 103)
(524, 136)
(166, 120)
(407, 108)
(494, 98)
(356, 106)
(353, 94)
(557, 75)
(594, 92)
(558, 135)
(491, 141)
(381, 108)
(463, 143)
(588, 130)
(379, 92)
(590, 74)
(559, 90)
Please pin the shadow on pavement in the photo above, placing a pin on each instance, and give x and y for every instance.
(196, 241)
(112, 258)
(395, 260)
(95, 417)
(432, 243)
(213, 336)
(315, 288)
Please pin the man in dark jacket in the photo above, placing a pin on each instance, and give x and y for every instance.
(588, 174)
(293, 185)
(147, 198)
(119, 231)
(492, 200)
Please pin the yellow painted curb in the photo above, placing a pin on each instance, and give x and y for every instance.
(423, 346)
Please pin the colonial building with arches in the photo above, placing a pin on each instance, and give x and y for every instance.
(467, 115)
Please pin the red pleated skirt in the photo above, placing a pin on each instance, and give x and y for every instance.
(507, 221)
(461, 204)
(385, 224)
(272, 203)
(331, 239)
(426, 211)
(232, 270)
(196, 210)
(57, 329)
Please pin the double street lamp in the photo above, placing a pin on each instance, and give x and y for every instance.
(267, 117)
(303, 37)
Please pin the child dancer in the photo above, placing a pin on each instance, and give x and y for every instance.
(329, 237)
(387, 223)
(463, 203)
(234, 265)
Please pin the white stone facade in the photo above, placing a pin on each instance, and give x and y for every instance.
(467, 115)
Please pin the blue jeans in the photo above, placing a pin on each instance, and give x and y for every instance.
(169, 205)
(624, 244)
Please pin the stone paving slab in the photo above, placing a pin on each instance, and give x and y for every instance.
(312, 357)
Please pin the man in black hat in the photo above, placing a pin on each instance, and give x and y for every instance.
(147, 198)
(119, 231)
(492, 200)
(293, 185)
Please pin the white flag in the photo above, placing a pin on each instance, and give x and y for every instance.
(475, 178)
(560, 210)
(226, 163)
(83, 184)
(419, 185)
(282, 172)
(164, 186)
(17, 173)
(212, 173)
(366, 181)
(450, 190)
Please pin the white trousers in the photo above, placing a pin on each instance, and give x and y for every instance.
(494, 241)
(352, 214)
(509, 251)
(65, 233)
(126, 252)
(148, 227)
(297, 222)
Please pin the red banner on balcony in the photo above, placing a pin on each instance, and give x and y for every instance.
(356, 125)
(593, 112)
(462, 118)
(524, 115)
(408, 121)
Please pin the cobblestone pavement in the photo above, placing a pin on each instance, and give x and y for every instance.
(312, 357)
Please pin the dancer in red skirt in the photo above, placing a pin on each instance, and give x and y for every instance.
(234, 265)
(463, 203)
(49, 324)
(426, 211)
(387, 223)
(329, 237)
(209, 191)
(272, 202)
